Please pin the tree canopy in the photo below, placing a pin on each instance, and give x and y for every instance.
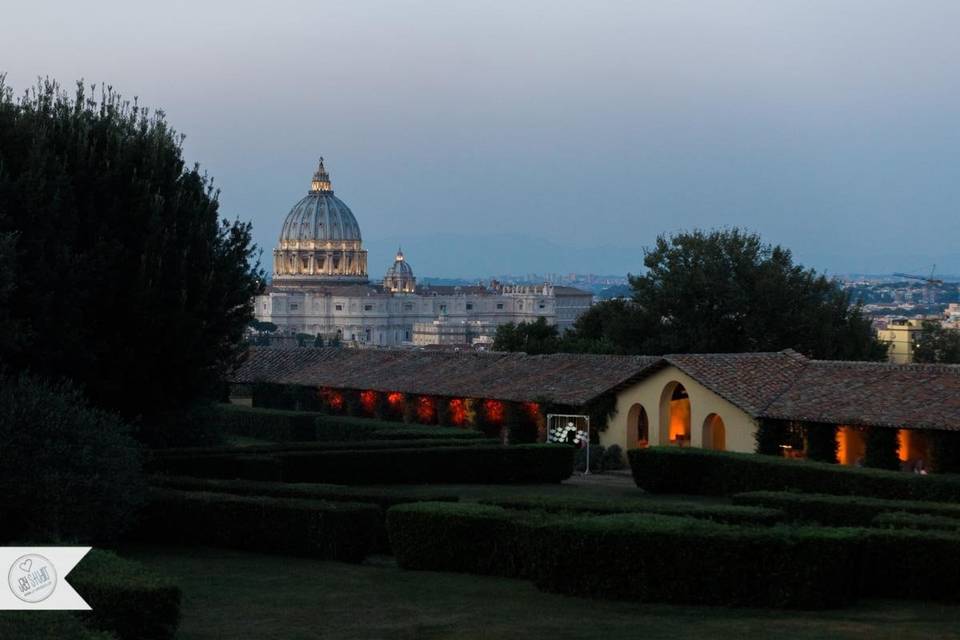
(936, 344)
(727, 291)
(122, 276)
(530, 337)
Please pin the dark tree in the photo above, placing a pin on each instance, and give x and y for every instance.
(127, 280)
(530, 337)
(727, 291)
(937, 344)
(882, 447)
(822, 444)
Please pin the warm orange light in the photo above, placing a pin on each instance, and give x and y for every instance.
(458, 412)
(913, 445)
(533, 410)
(368, 400)
(680, 420)
(494, 411)
(425, 409)
(334, 399)
(395, 399)
(851, 445)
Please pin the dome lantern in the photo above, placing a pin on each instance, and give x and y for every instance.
(399, 277)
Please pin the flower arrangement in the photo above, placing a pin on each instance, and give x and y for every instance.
(568, 433)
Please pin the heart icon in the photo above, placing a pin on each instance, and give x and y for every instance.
(26, 564)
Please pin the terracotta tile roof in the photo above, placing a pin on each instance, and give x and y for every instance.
(867, 393)
(749, 380)
(562, 378)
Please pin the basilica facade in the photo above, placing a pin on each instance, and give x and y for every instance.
(320, 287)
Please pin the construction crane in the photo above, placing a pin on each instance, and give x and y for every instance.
(927, 280)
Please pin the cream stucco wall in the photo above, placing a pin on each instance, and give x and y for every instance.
(739, 426)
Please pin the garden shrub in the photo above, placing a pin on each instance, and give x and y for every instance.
(463, 537)
(383, 498)
(44, 625)
(769, 436)
(344, 531)
(272, 395)
(647, 557)
(126, 598)
(596, 458)
(68, 473)
(655, 558)
(839, 511)
(613, 459)
(945, 451)
(730, 514)
(705, 472)
(919, 521)
(919, 565)
(528, 463)
(425, 433)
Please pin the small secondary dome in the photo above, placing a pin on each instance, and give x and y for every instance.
(320, 239)
(399, 278)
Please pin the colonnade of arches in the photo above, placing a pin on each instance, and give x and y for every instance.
(674, 422)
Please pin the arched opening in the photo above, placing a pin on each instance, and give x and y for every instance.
(914, 450)
(851, 445)
(638, 427)
(714, 433)
(675, 415)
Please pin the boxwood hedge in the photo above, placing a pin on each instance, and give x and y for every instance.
(717, 512)
(705, 472)
(923, 565)
(648, 557)
(58, 625)
(343, 531)
(839, 511)
(534, 463)
(126, 599)
(919, 521)
(383, 498)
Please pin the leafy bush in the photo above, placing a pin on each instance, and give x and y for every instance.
(68, 473)
(383, 498)
(281, 425)
(704, 472)
(839, 511)
(822, 445)
(59, 625)
(260, 462)
(596, 458)
(462, 537)
(680, 560)
(636, 556)
(478, 464)
(613, 459)
(717, 512)
(919, 521)
(126, 598)
(921, 565)
(343, 531)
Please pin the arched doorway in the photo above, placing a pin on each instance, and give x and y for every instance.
(638, 427)
(852, 445)
(675, 415)
(714, 433)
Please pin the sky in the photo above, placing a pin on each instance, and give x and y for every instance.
(518, 137)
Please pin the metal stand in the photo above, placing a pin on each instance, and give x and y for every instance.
(575, 416)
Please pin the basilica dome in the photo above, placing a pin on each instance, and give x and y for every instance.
(320, 240)
(399, 278)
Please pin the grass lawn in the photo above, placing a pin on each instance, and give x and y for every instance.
(239, 595)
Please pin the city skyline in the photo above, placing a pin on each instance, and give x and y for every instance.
(548, 137)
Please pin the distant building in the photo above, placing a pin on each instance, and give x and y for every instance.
(900, 334)
(320, 287)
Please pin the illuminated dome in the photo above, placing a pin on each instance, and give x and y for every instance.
(320, 240)
(399, 278)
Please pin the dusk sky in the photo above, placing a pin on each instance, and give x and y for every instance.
(522, 136)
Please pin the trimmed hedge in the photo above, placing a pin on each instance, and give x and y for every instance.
(126, 598)
(344, 531)
(728, 514)
(647, 557)
(383, 498)
(47, 625)
(281, 425)
(258, 463)
(919, 521)
(705, 472)
(465, 537)
(920, 565)
(529, 463)
(839, 511)
(655, 558)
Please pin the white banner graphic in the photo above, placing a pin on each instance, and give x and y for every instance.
(35, 578)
